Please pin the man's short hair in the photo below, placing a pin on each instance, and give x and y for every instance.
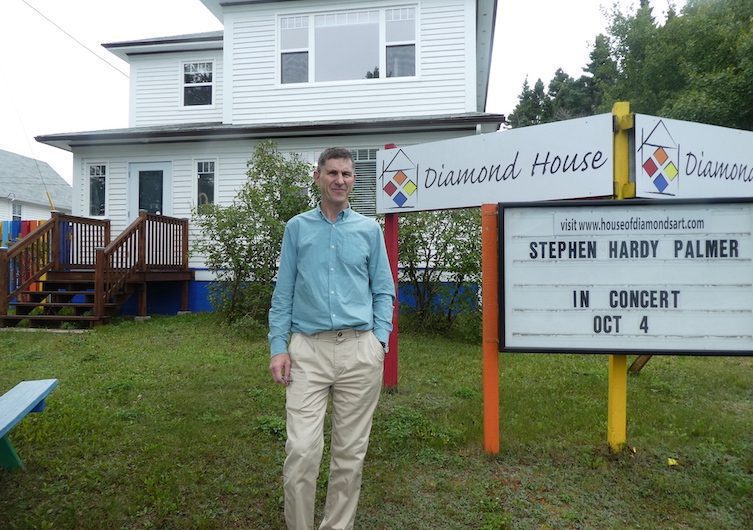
(333, 152)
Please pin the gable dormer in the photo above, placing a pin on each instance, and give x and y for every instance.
(174, 80)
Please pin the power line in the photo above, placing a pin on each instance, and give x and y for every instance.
(75, 39)
(34, 158)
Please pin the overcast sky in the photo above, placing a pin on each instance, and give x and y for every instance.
(50, 84)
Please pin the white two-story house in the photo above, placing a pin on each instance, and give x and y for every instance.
(306, 73)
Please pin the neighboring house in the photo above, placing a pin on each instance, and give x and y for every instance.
(24, 187)
(306, 73)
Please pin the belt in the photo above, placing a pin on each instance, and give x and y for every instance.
(339, 334)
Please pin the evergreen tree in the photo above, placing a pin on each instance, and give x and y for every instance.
(697, 66)
(532, 108)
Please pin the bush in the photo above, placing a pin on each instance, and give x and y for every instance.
(241, 242)
(440, 254)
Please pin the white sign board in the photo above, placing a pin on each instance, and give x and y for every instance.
(562, 160)
(630, 276)
(680, 159)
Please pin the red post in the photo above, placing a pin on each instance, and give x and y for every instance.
(391, 224)
(390, 239)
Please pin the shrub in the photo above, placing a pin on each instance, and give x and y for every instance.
(241, 242)
(440, 254)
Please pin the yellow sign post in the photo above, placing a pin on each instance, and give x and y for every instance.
(617, 371)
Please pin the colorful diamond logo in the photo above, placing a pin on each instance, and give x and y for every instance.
(399, 179)
(659, 158)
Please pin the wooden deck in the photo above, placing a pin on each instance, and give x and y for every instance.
(68, 269)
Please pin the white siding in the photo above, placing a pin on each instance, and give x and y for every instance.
(156, 89)
(32, 212)
(445, 81)
(29, 211)
(230, 170)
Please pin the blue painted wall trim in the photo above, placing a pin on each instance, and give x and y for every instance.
(163, 298)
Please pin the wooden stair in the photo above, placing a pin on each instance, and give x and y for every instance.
(68, 274)
(64, 299)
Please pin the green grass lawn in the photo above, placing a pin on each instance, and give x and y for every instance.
(175, 423)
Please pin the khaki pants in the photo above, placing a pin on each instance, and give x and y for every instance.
(348, 365)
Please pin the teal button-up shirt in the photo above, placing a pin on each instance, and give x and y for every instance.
(332, 275)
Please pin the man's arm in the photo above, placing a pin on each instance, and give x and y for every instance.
(382, 287)
(281, 311)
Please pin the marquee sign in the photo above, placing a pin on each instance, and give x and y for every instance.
(629, 276)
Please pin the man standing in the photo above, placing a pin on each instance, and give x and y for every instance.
(330, 319)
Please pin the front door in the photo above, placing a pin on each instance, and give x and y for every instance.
(149, 188)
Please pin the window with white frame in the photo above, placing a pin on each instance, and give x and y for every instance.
(17, 211)
(348, 45)
(198, 83)
(400, 41)
(97, 188)
(204, 182)
(294, 44)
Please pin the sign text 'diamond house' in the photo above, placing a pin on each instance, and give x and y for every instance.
(563, 160)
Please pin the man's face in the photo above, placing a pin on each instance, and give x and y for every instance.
(335, 180)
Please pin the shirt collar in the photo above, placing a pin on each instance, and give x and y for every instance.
(341, 216)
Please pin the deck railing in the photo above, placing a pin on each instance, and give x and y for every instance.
(64, 242)
(151, 243)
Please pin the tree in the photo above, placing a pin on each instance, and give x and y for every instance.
(568, 97)
(697, 66)
(532, 108)
(441, 257)
(241, 242)
(601, 75)
(717, 60)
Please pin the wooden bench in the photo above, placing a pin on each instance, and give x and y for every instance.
(25, 397)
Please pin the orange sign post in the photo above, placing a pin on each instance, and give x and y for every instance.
(490, 326)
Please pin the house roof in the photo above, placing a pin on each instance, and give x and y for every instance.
(218, 131)
(210, 40)
(27, 179)
(486, 14)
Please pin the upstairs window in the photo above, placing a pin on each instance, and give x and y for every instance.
(17, 211)
(97, 187)
(400, 38)
(294, 43)
(348, 45)
(204, 182)
(198, 84)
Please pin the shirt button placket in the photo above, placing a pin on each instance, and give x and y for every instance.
(332, 258)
